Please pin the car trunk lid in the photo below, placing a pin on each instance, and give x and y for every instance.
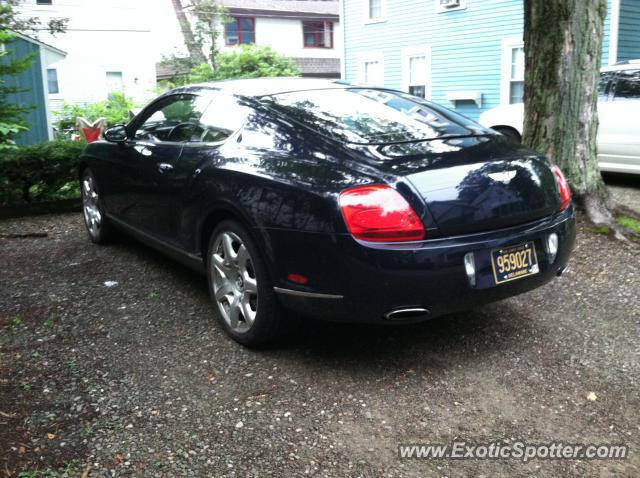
(474, 183)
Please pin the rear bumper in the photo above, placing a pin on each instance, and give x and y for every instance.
(362, 282)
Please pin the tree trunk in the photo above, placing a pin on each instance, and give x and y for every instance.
(563, 48)
(189, 40)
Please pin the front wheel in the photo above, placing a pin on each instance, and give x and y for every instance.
(240, 287)
(98, 227)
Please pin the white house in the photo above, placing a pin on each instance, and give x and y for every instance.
(109, 44)
(114, 45)
(307, 31)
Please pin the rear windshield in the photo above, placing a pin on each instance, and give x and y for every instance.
(366, 116)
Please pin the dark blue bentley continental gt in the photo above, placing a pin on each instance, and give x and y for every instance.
(334, 201)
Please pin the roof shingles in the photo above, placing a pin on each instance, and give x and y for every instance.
(315, 7)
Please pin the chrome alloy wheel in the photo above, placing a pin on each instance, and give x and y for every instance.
(92, 214)
(235, 285)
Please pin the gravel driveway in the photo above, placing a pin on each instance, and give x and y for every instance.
(136, 379)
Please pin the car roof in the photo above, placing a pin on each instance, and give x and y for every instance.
(257, 87)
(623, 65)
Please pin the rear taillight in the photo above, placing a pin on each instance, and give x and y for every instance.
(379, 213)
(563, 187)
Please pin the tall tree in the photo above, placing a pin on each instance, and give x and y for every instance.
(195, 50)
(210, 17)
(563, 48)
(201, 22)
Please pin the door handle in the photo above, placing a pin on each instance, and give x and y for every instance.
(165, 167)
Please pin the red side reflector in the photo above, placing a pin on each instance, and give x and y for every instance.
(563, 187)
(298, 278)
(379, 213)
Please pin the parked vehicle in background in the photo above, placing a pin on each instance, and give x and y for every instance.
(618, 112)
(334, 201)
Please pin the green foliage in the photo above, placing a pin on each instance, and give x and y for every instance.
(201, 73)
(245, 61)
(201, 31)
(42, 172)
(11, 19)
(12, 120)
(629, 223)
(605, 230)
(7, 132)
(253, 61)
(11, 115)
(115, 110)
(208, 14)
(196, 74)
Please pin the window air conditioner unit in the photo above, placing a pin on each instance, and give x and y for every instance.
(449, 3)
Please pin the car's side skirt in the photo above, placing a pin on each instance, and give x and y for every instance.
(193, 261)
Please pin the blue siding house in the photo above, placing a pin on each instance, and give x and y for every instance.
(35, 82)
(464, 54)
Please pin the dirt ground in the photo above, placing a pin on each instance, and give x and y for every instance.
(136, 378)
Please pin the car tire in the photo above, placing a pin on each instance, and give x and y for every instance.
(241, 289)
(98, 226)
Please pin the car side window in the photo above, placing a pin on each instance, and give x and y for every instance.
(628, 85)
(173, 120)
(223, 116)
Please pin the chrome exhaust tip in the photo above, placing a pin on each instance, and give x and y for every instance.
(405, 313)
(562, 270)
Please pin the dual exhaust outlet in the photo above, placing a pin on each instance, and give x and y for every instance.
(406, 313)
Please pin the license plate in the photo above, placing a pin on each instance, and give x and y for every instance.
(514, 262)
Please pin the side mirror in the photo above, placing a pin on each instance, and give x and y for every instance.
(116, 134)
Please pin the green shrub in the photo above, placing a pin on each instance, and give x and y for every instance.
(253, 61)
(115, 110)
(244, 61)
(43, 172)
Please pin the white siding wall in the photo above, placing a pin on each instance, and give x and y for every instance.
(284, 35)
(102, 36)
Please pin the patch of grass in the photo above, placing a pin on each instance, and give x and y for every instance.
(154, 295)
(72, 469)
(40, 474)
(15, 324)
(600, 230)
(48, 323)
(629, 223)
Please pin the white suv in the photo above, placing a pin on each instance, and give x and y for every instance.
(618, 112)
